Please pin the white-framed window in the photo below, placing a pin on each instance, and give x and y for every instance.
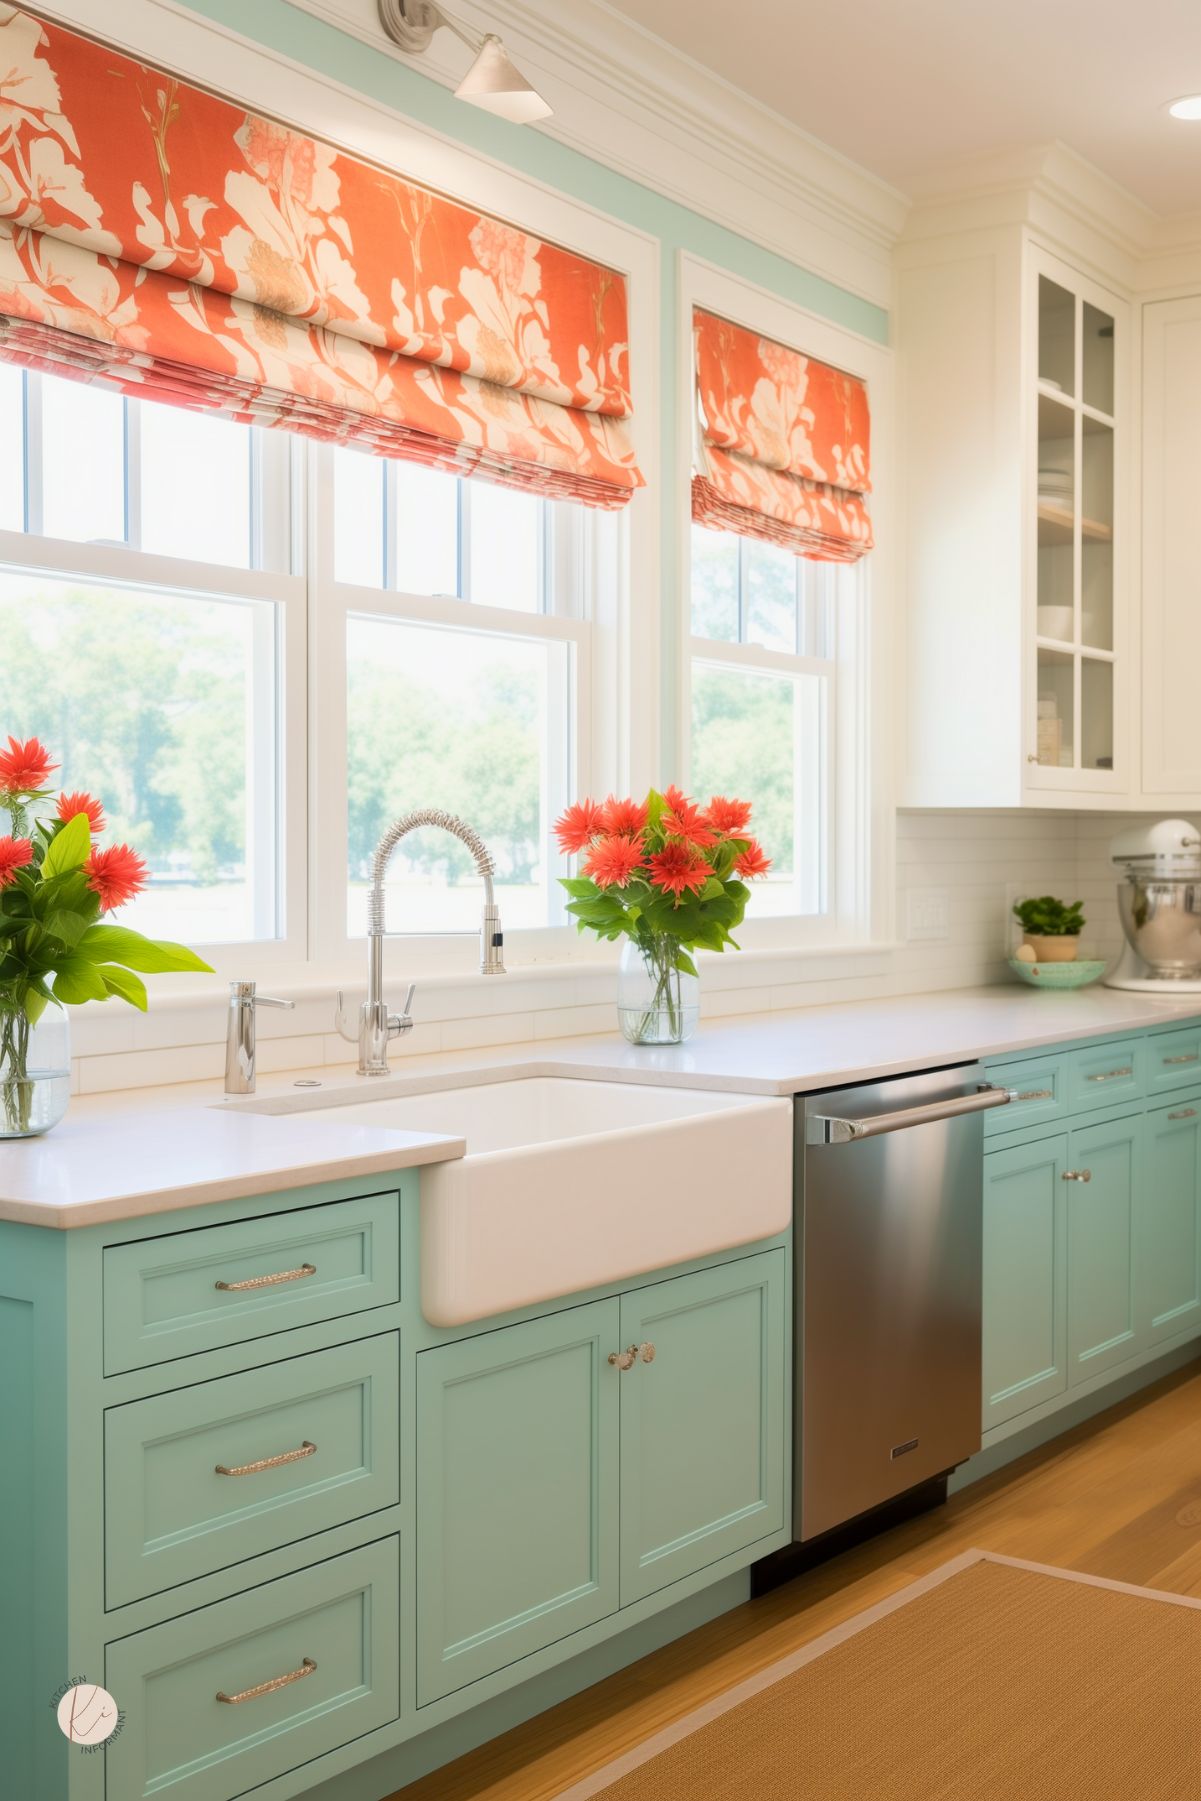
(152, 625)
(781, 703)
(457, 624)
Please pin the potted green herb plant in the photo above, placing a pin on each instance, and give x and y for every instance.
(1051, 928)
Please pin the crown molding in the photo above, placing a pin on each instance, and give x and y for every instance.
(1055, 191)
(626, 99)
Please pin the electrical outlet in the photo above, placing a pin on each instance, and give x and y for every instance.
(928, 914)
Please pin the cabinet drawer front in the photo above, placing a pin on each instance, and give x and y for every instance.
(1173, 1059)
(195, 1291)
(1106, 1074)
(206, 1476)
(1040, 1084)
(342, 1617)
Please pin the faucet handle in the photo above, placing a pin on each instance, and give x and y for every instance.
(406, 1012)
(269, 1000)
(401, 1022)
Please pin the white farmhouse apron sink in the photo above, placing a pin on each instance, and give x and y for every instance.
(568, 1185)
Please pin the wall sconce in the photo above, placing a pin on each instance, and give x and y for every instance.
(492, 81)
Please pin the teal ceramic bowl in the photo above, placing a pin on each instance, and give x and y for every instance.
(1059, 975)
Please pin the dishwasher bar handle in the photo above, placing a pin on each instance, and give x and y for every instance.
(821, 1128)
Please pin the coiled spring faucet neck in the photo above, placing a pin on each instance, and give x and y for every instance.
(491, 940)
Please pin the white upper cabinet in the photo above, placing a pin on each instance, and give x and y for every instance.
(1171, 510)
(1014, 424)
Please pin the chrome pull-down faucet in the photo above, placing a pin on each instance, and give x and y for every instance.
(377, 1027)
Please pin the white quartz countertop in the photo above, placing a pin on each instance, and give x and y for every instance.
(150, 1151)
(122, 1161)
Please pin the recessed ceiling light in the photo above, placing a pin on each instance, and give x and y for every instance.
(1187, 107)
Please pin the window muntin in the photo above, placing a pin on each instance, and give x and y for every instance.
(763, 686)
(143, 644)
(462, 690)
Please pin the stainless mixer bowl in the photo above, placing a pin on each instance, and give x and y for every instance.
(1161, 918)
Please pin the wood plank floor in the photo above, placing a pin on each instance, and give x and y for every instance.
(1119, 1496)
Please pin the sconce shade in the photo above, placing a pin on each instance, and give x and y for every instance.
(495, 84)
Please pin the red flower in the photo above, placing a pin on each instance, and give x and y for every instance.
(675, 797)
(676, 868)
(623, 818)
(752, 862)
(116, 875)
(15, 853)
(578, 826)
(71, 804)
(612, 861)
(24, 767)
(729, 816)
(683, 820)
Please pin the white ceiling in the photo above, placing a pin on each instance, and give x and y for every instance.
(905, 87)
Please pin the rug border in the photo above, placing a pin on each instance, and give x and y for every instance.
(775, 1672)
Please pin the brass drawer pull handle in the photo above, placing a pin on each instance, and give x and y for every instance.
(305, 1449)
(1036, 1094)
(307, 1668)
(1112, 1075)
(1184, 1113)
(283, 1275)
(624, 1360)
(1192, 1057)
(1077, 1175)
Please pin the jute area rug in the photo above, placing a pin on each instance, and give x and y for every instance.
(991, 1679)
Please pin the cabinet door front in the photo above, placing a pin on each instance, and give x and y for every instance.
(517, 1497)
(1025, 1338)
(702, 1420)
(1102, 1183)
(1170, 1270)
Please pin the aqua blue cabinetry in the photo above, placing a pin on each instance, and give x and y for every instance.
(611, 1449)
(1092, 1218)
(205, 1722)
(1169, 1285)
(1025, 1333)
(702, 1422)
(238, 1461)
(1104, 1192)
(517, 1492)
(209, 1475)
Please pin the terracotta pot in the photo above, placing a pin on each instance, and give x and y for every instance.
(1053, 950)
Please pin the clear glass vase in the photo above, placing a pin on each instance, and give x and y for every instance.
(35, 1070)
(657, 1003)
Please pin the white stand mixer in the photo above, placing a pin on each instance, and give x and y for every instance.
(1159, 899)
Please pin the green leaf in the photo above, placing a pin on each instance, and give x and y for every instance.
(35, 1002)
(68, 928)
(581, 886)
(684, 962)
(123, 983)
(117, 944)
(69, 848)
(77, 981)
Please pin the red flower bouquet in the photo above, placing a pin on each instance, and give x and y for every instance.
(666, 875)
(55, 950)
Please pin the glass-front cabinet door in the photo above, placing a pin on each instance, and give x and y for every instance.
(1076, 723)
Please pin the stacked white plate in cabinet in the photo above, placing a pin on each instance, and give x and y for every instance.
(1056, 488)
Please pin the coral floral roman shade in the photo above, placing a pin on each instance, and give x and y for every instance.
(783, 451)
(155, 236)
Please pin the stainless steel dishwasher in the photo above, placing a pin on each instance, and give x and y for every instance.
(888, 1320)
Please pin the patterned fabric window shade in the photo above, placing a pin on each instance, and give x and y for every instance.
(157, 237)
(783, 445)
